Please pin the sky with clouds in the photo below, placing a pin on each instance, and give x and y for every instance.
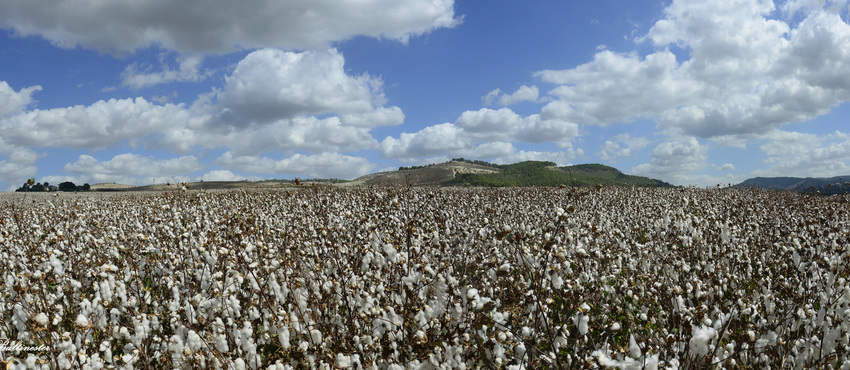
(697, 92)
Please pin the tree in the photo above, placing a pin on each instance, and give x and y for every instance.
(67, 186)
(86, 187)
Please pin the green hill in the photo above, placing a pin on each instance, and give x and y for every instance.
(538, 173)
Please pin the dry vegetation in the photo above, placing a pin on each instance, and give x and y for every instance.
(430, 278)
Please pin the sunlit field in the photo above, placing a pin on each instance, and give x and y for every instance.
(402, 277)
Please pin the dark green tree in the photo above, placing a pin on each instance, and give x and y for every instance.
(67, 186)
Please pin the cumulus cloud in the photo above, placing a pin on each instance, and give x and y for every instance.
(724, 167)
(617, 88)
(225, 175)
(432, 140)
(505, 124)
(17, 165)
(524, 93)
(478, 127)
(132, 168)
(12, 102)
(623, 145)
(746, 73)
(324, 165)
(673, 159)
(806, 155)
(306, 133)
(383, 116)
(99, 125)
(203, 26)
(272, 84)
(138, 76)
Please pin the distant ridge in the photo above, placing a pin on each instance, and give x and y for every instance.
(463, 172)
(822, 185)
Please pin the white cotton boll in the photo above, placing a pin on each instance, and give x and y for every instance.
(239, 364)
(581, 321)
(220, 343)
(615, 326)
(82, 320)
(700, 340)
(64, 363)
(57, 266)
(175, 344)
(193, 340)
(41, 319)
(343, 361)
(634, 349)
(283, 337)
(557, 281)
(472, 293)
(316, 335)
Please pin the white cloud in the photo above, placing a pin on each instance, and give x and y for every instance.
(131, 168)
(478, 127)
(432, 140)
(622, 145)
(524, 93)
(271, 84)
(12, 102)
(617, 88)
(136, 76)
(252, 115)
(99, 125)
(806, 155)
(306, 133)
(490, 122)
(382, 116)
(724, 167)
(746, 73)
(671, 160)
(225, 175)
(324, 165)
(504, 124)
(18, 164)
(202, 26)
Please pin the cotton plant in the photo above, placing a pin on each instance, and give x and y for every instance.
(393, 277)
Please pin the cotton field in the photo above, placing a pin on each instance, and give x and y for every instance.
(399, 277)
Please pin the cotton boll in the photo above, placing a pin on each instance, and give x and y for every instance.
(634, 349)
(699, 342)
(220, 343)
(283, 337)
(194, 341)
(343, 361)
(82, 321)
(41, 319)
(316, 335)
(581, 322)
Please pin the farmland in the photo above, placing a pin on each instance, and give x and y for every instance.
(394, 277)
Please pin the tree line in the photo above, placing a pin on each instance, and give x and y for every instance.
(30, 186)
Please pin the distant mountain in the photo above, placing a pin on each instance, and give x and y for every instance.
(529, 173)
(823, 185)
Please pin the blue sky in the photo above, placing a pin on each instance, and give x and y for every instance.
(690, 92)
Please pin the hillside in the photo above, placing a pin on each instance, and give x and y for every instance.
(535, 173)
(822, 185)
(528, 173)
(435, 174)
